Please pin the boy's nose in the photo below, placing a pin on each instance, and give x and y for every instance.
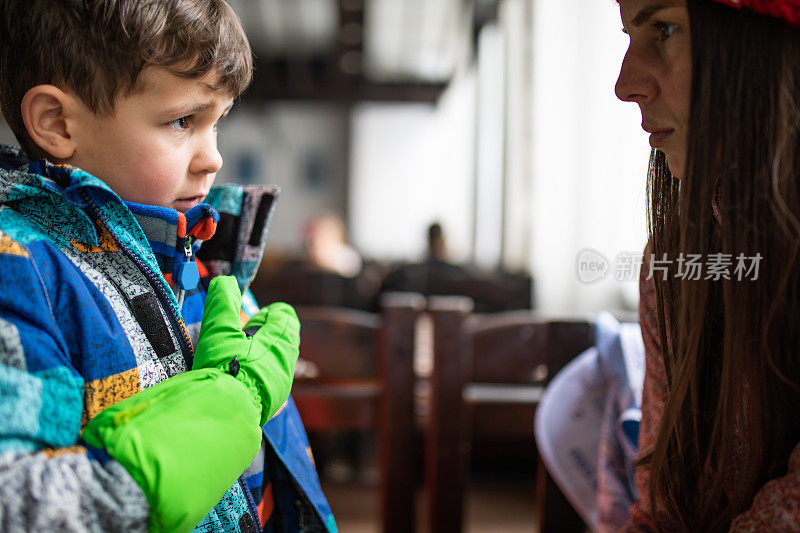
(207, 159)
(635, 82)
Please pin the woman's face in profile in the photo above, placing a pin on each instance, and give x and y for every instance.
(657, 73)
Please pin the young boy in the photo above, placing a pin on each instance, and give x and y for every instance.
(110, 419)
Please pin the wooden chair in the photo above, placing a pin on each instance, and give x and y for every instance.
(490, 292)
(356, 373)
(503, 361)
(302, 285)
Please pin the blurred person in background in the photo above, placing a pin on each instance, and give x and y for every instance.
(327, 248)
(432, 276)
(437, 248)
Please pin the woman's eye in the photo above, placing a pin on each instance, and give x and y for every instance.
(180, 124)
(665, 28)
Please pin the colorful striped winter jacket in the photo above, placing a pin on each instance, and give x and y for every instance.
(89, 317)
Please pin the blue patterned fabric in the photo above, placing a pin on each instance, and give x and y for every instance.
(89, 315)
(224, 517)
(288, 437)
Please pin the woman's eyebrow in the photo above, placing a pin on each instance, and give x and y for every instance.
(647, 12)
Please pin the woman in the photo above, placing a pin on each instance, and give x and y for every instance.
(718, 84)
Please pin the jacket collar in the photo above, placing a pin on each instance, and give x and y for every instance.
(169, 232)
(47, 193)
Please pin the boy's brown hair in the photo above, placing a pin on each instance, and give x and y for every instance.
(97, 49)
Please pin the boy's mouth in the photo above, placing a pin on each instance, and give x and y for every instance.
(188, 202)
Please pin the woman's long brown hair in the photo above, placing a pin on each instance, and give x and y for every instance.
(731, 348)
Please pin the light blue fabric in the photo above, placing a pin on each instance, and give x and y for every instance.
(621, 354)
(42, 406)
(226, 199)
(21, 395)
(62, 401)
(220, 518)
(587, 424)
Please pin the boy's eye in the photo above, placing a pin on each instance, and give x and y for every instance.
(665, 28)
(180, 124)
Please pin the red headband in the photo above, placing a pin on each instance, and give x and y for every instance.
(788, 10)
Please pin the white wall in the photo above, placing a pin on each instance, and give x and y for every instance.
(490, 148)
(515, 19)
(278, 143)
(589, 154)
(585, 171)
(413, 164)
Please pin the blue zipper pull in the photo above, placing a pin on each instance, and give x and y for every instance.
(188, 274)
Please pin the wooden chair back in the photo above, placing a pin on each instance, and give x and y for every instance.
(500, 362)
(304, 286)
(356, 372)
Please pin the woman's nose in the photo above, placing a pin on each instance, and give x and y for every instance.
(636, 82)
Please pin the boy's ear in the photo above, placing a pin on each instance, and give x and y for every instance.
(47, 112)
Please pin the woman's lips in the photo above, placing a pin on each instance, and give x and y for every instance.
(658, 137)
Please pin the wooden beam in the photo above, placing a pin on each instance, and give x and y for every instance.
(337, 76)
(316, 79)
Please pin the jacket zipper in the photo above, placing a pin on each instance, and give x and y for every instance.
(251, 501)
(174, 316)
(187, 253)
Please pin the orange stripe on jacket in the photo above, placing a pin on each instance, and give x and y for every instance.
(266, 506)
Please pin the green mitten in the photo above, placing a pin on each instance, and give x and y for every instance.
(185, 441)
(265, 361)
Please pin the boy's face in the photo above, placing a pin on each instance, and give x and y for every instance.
(160, 145)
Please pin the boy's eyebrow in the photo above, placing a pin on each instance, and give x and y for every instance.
(192, 109)
(647, 12)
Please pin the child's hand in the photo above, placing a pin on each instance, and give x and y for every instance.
(184, 441)
(187, 439)
(265, 361)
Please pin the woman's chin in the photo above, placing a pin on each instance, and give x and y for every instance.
(676, 165)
